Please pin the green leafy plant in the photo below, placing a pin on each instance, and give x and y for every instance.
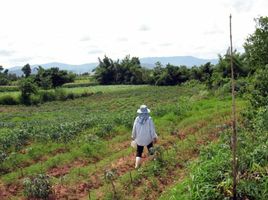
(37, 187)
(110, 176)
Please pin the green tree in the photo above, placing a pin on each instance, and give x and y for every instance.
(4, 76)
(26, 69)
(59, 77)
(256, 45)
(206, 72)
(259, 93)
(170, 75)
(131, 70)
(53, 77)
(128, 71)
(27, 88)
(105, 73)
(195, 73)
(43, 79)
(156, 73)
(222, 70)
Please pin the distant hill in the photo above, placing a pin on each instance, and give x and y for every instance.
(78, 69)
(148, 62)
(188, 61)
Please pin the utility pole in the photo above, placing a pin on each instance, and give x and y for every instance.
(234, 133)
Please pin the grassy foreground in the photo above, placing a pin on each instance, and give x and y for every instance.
(77, 141)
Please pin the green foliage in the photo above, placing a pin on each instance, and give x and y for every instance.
(46, 96)
(37, 187)
(8, 100)
(259, 93)
(3, 157)
(178, 109)
(221, 76)
(27, 88)
(93, 147)
(34, 153)
(211, 176)
(125, 119)
(224, 67)
(255, 189)
(26, 69)
(242, 86)
(256, 45)
(42, 96)
(110, 176)
(158, 160)
(105, 129)
(5, 77)
(9, 88)
(171, 75)
(128, 71)
(53, 77)
(59, 94)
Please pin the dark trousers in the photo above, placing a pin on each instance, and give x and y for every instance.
(140, 149)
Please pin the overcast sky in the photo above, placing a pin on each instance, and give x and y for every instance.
(80, 31)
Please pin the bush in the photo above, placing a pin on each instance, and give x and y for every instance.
(46, 96)
(27, 88)
(35, 100)
(8, 100)
(61, 94)
(260, 90)
(37, 187)
(9, 88)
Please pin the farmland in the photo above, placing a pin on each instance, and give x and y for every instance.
(78, 142)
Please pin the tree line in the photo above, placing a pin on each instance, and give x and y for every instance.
(130, 71)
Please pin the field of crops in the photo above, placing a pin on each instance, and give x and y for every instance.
(81, 142)
(78, 90)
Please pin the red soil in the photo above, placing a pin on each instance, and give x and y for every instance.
(6, 191)
(64, 169)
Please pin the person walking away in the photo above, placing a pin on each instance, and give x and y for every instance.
(143, 132)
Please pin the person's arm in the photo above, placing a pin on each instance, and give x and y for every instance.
(152, 131)
(134, 130)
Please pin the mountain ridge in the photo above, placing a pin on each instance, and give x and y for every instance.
(148, 62)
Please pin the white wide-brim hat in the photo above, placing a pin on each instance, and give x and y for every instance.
(143, 109)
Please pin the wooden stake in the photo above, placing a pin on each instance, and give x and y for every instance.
(234, 134)
(131, 177)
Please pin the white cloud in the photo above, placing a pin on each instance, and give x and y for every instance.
(6, 53)
(85, 39)
(144, 28)
(122, 39)
(95, 51)
(71, 30)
